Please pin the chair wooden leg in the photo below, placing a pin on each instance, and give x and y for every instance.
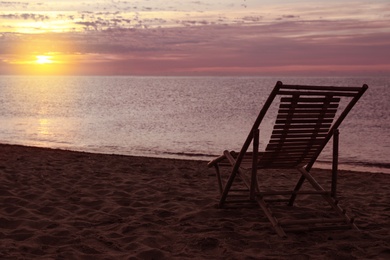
(331, 201)
(296, 189)
(267, 211)
(253, 184)
(219, 179)
(226, 189)
(230, 181)
(335, 163)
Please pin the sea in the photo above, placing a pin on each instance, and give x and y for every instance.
(193, 118)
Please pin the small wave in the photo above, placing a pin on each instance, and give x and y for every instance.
(197, 155)
(357, 166)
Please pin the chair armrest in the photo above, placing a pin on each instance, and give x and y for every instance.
(216, 161)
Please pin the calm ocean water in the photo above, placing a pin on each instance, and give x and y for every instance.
(176, 117)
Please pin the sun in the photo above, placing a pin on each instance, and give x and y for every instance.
(44, 59)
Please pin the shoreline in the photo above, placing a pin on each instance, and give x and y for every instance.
(76, 205)
(356, 167)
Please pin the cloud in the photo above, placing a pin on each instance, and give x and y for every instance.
(284, 17)
(25, 16)
(252, 18)
(14, 4)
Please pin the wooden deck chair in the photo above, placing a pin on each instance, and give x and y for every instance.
(306, 120)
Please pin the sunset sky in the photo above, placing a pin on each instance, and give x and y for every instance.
(195, 37)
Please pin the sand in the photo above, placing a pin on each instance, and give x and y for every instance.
(70, 205)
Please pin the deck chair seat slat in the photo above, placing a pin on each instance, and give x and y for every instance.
(272, 155)
(317, 111)
(307, 118)
(306, 106)
(288, 135)
(293, 158)
(274, 162)
(309, 99)
(278, 166)
(304, 126)
(286, 139)
(302, 121)
(333, 89)
(299, 139)
(285, 158)
(285, 155)
(298, 154)
(289, 151)
(299, 131)
(306, 115)
(305, 134)
(317, 93)
(291, 147)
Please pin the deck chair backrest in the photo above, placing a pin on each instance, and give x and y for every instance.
(305, 122)
(301, 127)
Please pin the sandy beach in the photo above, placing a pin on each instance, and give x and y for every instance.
(59, 204)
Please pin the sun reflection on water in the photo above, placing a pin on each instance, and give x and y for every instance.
(43, 127)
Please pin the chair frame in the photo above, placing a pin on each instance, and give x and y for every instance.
(252, 188)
